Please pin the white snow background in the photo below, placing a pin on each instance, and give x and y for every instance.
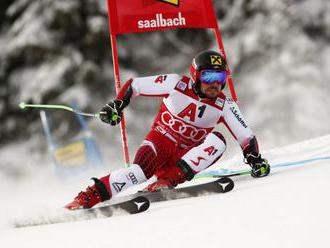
(289, 208)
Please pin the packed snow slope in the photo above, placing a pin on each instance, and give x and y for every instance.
(289, 208)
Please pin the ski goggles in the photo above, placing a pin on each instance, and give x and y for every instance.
(212, 76)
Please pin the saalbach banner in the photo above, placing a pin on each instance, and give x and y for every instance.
(138, 16)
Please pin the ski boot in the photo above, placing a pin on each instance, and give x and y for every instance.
(93, 195)
(169, 178)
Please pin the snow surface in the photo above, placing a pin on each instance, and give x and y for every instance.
(289, 208)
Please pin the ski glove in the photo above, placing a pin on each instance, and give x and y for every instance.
(111, 113)
(260, 166)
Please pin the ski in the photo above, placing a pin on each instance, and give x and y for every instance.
(136, 205)
(221, 185)
(131, 206)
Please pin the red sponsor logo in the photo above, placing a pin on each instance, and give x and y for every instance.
(199, 159)
(185, 130)
(159, 21)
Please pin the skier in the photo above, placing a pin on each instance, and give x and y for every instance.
(181, 142)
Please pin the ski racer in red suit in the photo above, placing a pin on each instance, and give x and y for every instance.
(181, 142)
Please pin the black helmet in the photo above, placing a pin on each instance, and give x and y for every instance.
(206, 60)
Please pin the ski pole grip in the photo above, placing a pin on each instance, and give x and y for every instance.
(22, 105)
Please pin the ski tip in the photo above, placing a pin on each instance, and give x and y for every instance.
(141, 203)
(226, 184)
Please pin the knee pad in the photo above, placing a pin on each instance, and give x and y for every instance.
(207, 153)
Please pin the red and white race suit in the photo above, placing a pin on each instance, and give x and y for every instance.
(183, 129)
(183, 116)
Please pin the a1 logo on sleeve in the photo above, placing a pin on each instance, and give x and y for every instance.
(160, 79)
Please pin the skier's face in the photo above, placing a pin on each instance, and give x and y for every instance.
(211, 90)
(212, 82)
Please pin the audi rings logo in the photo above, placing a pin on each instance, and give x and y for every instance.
(179, 127)
(133, 178)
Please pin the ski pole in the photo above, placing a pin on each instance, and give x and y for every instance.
(24, 105)
(241, 173)
(235, 174)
